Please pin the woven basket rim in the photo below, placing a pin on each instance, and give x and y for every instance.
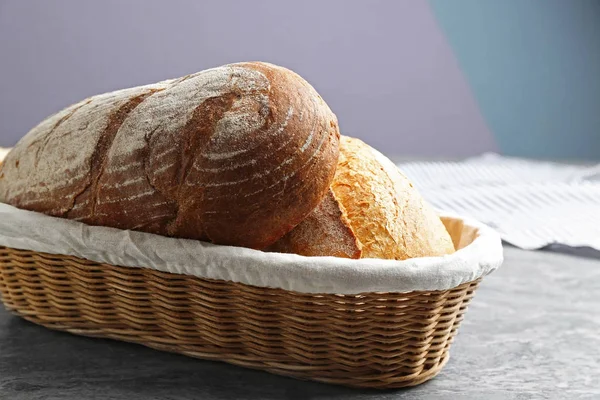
(479, 254)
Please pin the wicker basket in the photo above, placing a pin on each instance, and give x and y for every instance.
(274, 312)
(377, 340)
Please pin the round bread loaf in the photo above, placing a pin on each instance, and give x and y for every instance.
(372, 211)
(234, 155)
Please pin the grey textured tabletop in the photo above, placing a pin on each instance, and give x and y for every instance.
(532, 331)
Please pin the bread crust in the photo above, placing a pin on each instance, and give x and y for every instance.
(235, 155)
(325, 232)
(386, 216)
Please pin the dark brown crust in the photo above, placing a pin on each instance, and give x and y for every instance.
(98, 164)
(325, 232)
(252, 200)
(281, 204)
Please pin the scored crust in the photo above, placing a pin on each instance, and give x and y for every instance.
(386, 215)
(235, 155)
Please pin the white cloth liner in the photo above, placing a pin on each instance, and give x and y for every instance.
(480, 253)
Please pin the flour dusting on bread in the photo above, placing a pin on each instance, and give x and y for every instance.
(210, 156)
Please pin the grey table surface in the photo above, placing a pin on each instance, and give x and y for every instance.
(532, 331)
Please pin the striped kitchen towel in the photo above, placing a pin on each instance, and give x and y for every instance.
(531, 204)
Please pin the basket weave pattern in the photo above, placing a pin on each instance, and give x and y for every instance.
(378, 340)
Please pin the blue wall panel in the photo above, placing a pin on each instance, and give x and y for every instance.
(534, 68)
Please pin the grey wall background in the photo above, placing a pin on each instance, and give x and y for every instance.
(384, 67)
(411, 77)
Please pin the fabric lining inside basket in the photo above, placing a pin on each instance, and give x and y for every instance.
(479, 253)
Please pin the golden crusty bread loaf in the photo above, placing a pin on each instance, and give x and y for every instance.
(235, 155)
(383, 214)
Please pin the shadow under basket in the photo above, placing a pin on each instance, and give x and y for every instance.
(375, 340)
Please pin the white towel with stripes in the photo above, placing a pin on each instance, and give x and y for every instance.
(531, 204)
